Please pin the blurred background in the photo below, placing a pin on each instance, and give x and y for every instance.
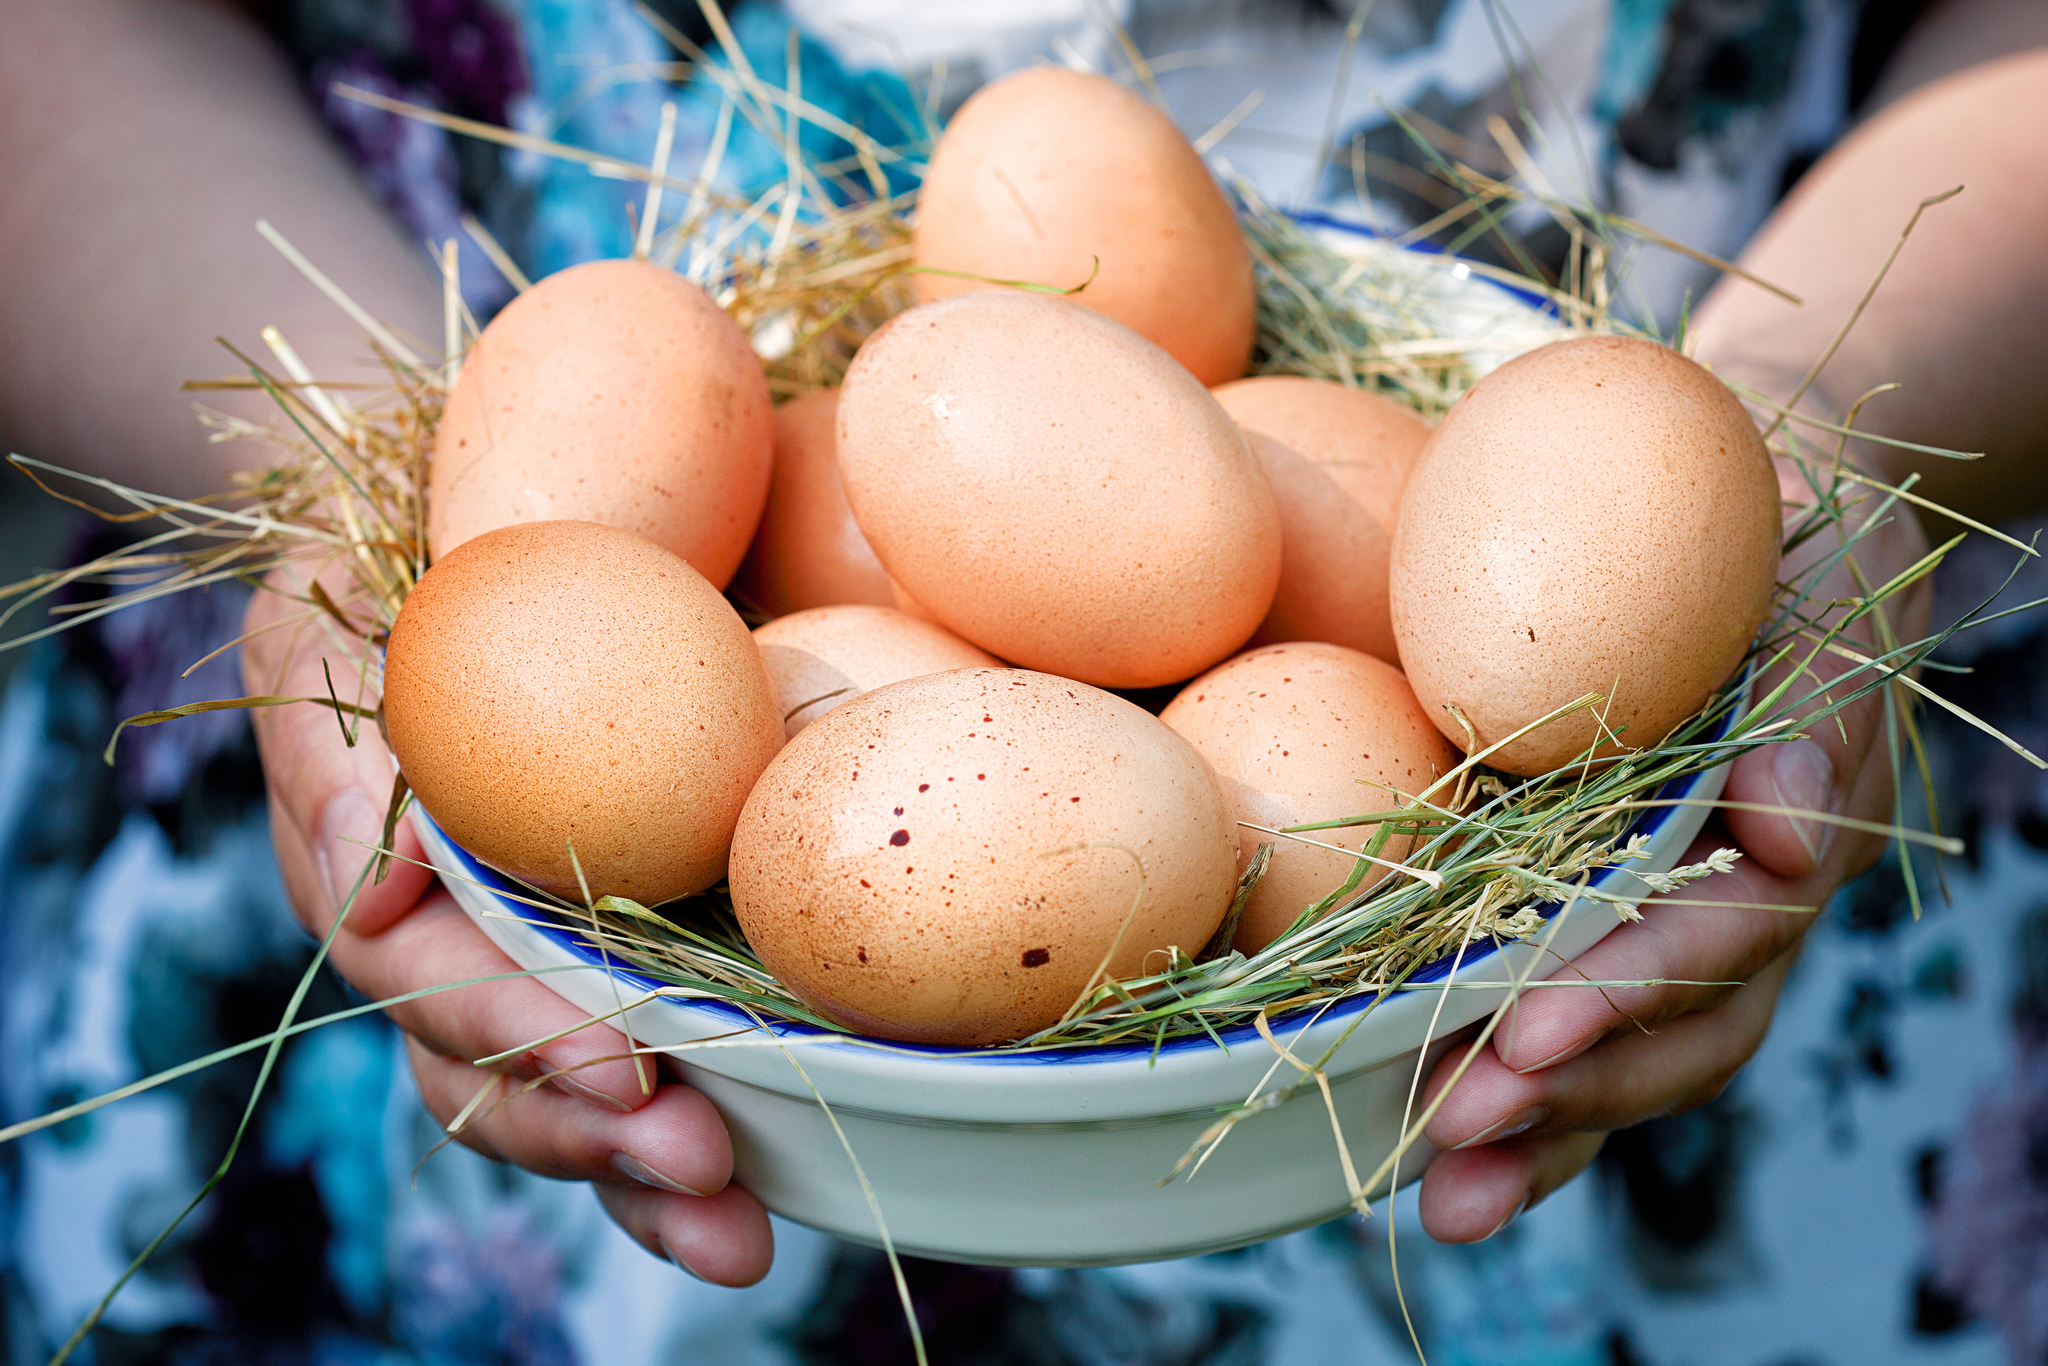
(1874, 1187)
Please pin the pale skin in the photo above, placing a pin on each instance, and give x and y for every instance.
(140, 140)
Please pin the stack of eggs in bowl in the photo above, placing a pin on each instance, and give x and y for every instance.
(939, 820)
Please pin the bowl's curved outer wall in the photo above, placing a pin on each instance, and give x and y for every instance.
(1064, 1195)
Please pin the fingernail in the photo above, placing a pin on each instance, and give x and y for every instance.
(628, 1165)
(1520, 1122)
(681, 1265)
(1565, 1054)
(1513, 1215)
(349, 815)
(569, 1086)
(1804, 778)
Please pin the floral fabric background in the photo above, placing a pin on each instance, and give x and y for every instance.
(1873, 1188)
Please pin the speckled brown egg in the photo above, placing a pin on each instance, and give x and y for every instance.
(1597, 516)
(951, 859)
(1338, 460)
(563, 681)
(1053, 487)
(613, 392)
(1308, 732)
(1043, 173)
(826, 657)
(809, 551)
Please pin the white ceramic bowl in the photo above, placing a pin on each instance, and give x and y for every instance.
(1052, 1158)
(1057, 1158)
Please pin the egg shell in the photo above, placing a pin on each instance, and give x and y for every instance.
(1045, 172)
(824, 658)
(1299, 733)
(1051, 486)
(613, 392)
(559, 681)
(1597, 516)
(950, 859)
(908, 605)
(808, 551)
(1338, 460)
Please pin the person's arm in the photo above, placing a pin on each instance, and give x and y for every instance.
(1962, 323)
(140, 140)
(139, 144)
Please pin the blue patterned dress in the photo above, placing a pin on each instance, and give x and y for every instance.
(1874, 1188)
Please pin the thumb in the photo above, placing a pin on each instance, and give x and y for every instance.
(1825, 770)
(328, 798)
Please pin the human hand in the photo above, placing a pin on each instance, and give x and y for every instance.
(1565, 1067)
(659, 1155)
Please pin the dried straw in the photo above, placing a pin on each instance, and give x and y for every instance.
(809, 269)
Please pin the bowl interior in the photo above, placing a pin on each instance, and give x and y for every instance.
(570, 940)
(728, 1016)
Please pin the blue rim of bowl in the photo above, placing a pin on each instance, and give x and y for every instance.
(735, 1017)
(1314, 218)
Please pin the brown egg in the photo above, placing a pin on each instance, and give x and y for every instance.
(908, 605)
(809, 551)
(1056, 489)
(1338, 459)
(1597, 516)
(1308, 732)
(1043, 173)
(613, 392)
(826, 657)
(952, 859)
(564, 681)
